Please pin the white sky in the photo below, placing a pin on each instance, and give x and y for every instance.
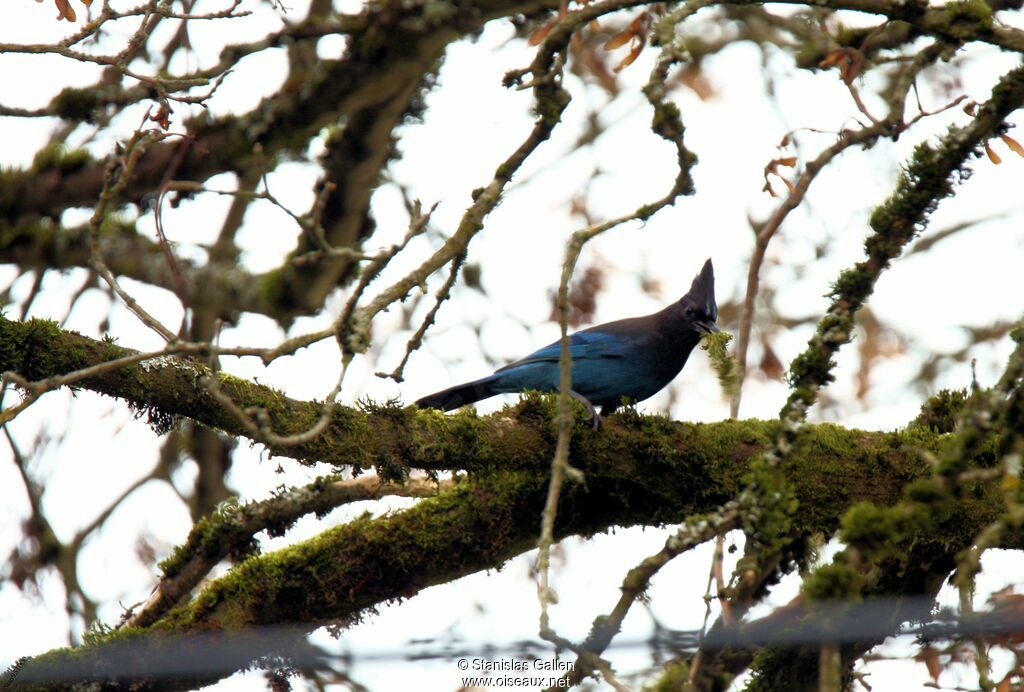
(471, 125)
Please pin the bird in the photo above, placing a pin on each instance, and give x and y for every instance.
(626, 360)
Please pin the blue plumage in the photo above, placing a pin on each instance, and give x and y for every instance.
(629, 359)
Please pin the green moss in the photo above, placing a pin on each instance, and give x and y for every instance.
(57, 156)
(880, 533)
(834, 441)
(550, 102)
(1017, 333)
(919, 437)
(53, 665)
(725, 366)
(874, 531)
(646, 211)
(833, 581)
(777, 668)
(942, 411)
(101, 633)
(288, 585)
(813, 365)
(28, 347)
(926, 491)
(925, 181)
(964, 20)
(436, 12)
(77, 104)
(221, 533)
(674, 677)
(854, 281)
(273, 294)
(159, 421)
(667, 121)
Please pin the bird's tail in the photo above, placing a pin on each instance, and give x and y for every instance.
(459, 395)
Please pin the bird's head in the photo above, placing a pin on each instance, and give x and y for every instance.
(698, 306)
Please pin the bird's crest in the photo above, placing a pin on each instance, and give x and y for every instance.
(702, 291)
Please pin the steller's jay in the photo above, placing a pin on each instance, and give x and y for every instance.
(627, 359)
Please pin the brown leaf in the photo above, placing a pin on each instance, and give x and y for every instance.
(589, 59)
(162, 117)
(773, 169)
(1010, 606)
(620, 39)
(582, 297)
(831, 59)
(993, 156)
(693, 77)
(634, 53)
(65, 10)
(850, 62)
(930, 657)
(578, 207)
(1013, 144)
(771, 365)
(542, 32)
(853, 67)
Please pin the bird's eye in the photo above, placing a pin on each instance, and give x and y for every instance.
(690, 312)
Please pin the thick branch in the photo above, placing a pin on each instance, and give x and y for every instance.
(638, 470)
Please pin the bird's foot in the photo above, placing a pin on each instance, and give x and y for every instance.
(593, 416)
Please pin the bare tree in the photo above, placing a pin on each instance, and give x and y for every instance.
(152, 134)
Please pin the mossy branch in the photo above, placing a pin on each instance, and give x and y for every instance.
(232, 528)
(639, 470)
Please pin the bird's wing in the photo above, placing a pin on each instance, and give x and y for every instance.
(582, 346)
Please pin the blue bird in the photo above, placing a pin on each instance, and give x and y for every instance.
(630, 359)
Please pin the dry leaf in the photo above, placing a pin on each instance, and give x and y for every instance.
(993, 156)
(541, 33)
(634, 53)
(1008, 606)
(162, 117)
(583, 295)
(850, 62)
(693, 77)
(1013, 144)
(771, 365)
(620, 39)
(635, 32)
(65, 10)
(931, 661)
(773, 169)
(589, 59)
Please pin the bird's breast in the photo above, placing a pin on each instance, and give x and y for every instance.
(637, 375)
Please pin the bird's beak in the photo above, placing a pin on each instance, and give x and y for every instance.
(707, 327)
